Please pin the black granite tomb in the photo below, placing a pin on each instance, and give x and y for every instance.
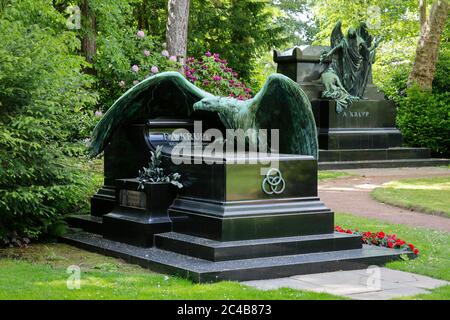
(229, 222)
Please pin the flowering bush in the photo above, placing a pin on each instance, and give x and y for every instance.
(381, 239)
(123, 62)
(213, 74)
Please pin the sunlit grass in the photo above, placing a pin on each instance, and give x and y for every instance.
(429, 195)
(329, 175)
(25, 280)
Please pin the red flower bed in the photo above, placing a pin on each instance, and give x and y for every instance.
(381, 239)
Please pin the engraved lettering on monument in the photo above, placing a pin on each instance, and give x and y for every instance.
(132, 199)
(356, 114)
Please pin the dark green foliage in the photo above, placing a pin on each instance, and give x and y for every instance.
(43, 115)
(424, 120)
(241, 31)
(117, 56)
(441, 81)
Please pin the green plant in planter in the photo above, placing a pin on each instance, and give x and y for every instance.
(154, 173)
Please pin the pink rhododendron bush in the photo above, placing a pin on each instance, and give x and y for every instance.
(212, 73)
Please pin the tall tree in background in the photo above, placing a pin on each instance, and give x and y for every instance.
(177, 27)
(296, 20)
(89, 31)
(427, 51)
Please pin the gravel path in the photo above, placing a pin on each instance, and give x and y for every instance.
(352, 195)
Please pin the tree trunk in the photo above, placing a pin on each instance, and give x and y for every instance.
(142, 16)
(422, 12)
(89, 31)
(427, 50)
(177, 28)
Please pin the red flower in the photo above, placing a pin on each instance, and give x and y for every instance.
(381, 239)
(399, 242)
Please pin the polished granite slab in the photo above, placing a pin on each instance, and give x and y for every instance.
(200, 270)
(234, 250)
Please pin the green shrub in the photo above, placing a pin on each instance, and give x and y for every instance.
(424, 119)
(44, 116)
(441, 81)
(125, 59)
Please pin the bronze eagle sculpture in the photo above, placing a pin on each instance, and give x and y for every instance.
(280, 104)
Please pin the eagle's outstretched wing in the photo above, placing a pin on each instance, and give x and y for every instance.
(336, 38)
(281, 104)
(165, 94)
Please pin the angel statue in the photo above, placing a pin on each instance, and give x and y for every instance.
(335, 90)
(352, 57)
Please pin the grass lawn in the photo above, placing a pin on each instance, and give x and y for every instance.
(429, 195)
(329, 175)
(39, 272)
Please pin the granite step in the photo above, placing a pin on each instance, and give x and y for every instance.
(373, 154)
(234, 250)
(341, 165)
(88, 223)
(200, 270)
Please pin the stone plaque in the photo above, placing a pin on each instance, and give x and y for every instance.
(132, 199)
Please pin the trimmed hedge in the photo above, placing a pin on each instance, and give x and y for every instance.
(424, 120)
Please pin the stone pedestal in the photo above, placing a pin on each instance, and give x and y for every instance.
(139, 214)
(367, 124)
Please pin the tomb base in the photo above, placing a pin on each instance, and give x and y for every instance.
(243, 269)
(229, 223)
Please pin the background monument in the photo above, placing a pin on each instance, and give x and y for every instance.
(355, 123)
